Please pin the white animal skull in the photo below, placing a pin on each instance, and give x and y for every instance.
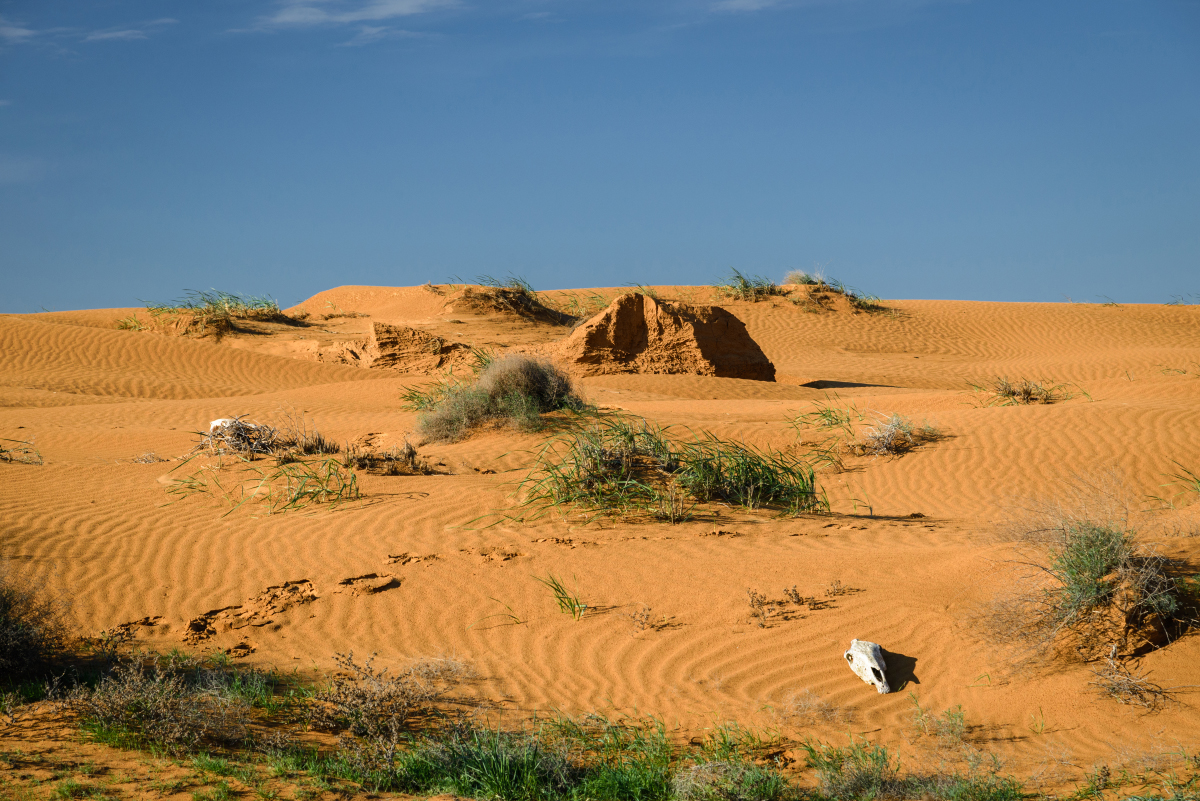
(866, 660)
(219, 423)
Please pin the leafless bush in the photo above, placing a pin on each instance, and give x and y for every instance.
(164, 705)
(398, 460)
(236, 435)
(894, 435)
(298, 437)
(1126, 686)
(371, 704)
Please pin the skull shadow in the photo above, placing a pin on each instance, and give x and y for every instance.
(901, 670)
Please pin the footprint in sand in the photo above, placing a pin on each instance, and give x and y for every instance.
(258, 611)
(368, 584)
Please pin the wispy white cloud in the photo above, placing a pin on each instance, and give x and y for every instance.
(340, 12)
(735, 6)
(12, 33)
(369, 34)
(126, 34)
(4, 103)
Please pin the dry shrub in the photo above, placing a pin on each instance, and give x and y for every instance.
(1022, 392)
(240, 437)
(894, 435)
(33, 628)
(294, 438)
(373, 709)
(398, 460)
(19, 451)
(371, 704)
(163, 704)
(1118, 681)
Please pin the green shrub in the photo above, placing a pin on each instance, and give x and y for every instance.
(514, 390)
(1101, 588)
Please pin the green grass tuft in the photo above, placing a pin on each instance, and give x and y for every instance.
(737, 286)
(621, 467)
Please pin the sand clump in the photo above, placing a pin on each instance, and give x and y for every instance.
(640, 334)
(397, 347)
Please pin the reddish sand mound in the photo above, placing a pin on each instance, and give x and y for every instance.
(397, 347)
(504, 301)
(638, 334)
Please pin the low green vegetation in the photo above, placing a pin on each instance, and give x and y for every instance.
(511, 390)
(201, 313)
(568, 601)
(1096, 591)
(737, 286)
(625, 467)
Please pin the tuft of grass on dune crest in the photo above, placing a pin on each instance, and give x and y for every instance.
(201, 313)
(737, 286)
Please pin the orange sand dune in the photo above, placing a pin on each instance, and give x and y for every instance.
(97, 525)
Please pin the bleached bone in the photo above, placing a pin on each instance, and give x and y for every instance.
(219, 423)
(866, 660)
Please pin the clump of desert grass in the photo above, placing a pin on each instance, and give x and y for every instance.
(33, 625)
(1092, 588)
(1022, 392)
(512, 390)
(287, 486)
(205, 313)
(624, 467)
(819, 289)
(753, 288)
(19, 451)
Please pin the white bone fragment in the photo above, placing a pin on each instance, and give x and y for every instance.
(219, 423)
(866, 660)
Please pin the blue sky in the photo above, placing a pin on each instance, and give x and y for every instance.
(989, 150)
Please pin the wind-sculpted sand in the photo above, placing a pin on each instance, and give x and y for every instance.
(429, 565)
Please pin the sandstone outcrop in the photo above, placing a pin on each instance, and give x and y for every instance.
(639, 334)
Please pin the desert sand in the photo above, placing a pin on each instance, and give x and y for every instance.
(918, 540)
